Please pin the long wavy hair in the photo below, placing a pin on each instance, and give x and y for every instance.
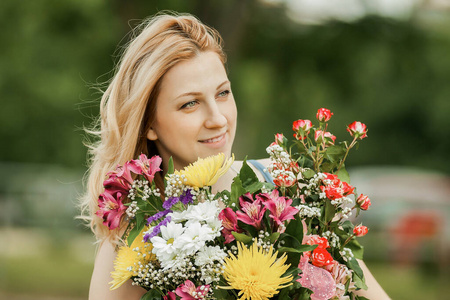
(128, 105)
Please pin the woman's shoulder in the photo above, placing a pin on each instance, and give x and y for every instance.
(101, 276)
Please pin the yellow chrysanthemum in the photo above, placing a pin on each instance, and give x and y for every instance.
(128, 257)
(206, 171)
(256, 272)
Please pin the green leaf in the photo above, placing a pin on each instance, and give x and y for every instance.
(247, 175)
(152, 295)
(347, 226)
(274, 237)
(241, 237)
(171, 167)
(140, 215)
(335, 153)
(343, 175)
(356, 248)
(329, 211)
(221, 294)
(134, 233)
(236, 190)
(305, 294)
(254, 187)
(359, 282)
(354, 265)
(300, 249)
(308, 173)
(295, 228)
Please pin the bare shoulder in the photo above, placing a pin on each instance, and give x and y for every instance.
(104, 264)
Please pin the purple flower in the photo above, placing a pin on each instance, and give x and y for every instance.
(170, 202)
(186, 197)
(158, 215)
(156, 229)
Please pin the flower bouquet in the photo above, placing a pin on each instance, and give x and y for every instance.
(289, 239)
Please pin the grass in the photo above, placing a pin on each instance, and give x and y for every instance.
(411, 282)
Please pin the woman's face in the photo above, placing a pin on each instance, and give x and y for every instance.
(195, 111)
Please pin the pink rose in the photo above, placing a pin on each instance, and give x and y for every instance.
(320, 136)
(358, 130)
(301, 128)
(360, 230)
(323, 115)
(279, 139)
(363, 202)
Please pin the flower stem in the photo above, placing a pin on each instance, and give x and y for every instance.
(346, 153)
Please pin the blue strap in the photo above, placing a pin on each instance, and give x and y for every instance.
(262, 169)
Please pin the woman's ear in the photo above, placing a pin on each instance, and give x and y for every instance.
(151, 134)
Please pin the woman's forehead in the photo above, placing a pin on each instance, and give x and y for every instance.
(205, 71)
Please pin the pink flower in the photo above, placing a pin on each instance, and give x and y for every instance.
(360, 230)
(279, 138)
(301, 128)
(280, 207)
(170, 296)
(253, 211)
(320, 136)
(111, 208)
(357, 129)
(316, 279)
(229, 223)
(120, 179)
(363, 201)
(188, 291)
(323, 115)
(145, 166)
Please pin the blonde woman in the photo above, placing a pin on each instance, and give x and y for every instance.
(170, 96)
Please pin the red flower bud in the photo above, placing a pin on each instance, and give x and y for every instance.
(363, 202)
(358, 130)
(360, 230)
(323, 115)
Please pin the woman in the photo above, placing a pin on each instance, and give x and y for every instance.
(170, 96)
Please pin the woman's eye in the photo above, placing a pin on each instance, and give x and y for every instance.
(189, 104)
(224, 93)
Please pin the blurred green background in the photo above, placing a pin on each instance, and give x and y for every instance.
(385, 63)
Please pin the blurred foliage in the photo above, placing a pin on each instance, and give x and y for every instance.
(390, 74)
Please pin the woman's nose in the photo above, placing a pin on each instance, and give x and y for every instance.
(215, 117)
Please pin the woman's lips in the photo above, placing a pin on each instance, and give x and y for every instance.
(217, 141)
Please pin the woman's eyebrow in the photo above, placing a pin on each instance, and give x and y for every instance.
(198, 93)
(188, 94)
(220, 85)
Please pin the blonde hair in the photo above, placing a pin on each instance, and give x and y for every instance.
(128, 105)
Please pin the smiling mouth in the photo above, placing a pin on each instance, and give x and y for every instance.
(214, 140)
